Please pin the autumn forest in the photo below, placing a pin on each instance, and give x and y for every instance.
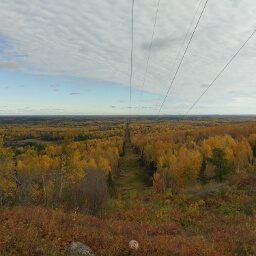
(179, 186)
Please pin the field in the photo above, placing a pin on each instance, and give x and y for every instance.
(177, 186)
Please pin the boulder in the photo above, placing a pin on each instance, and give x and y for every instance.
(79, 249)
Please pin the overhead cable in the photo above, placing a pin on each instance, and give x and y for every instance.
(149, 52)
(178, 54)
(183, 56)
(130, 101)
(221, 71)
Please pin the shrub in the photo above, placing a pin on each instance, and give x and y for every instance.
(96, 190)
(90, 194)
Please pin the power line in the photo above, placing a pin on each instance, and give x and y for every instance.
(221, 71)
(178, 54)
(183, 56)
(130, 101)
(148, 56)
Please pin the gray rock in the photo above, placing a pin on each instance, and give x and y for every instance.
(79, 249)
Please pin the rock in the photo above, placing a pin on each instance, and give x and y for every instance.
(79, 249)
(134, 245)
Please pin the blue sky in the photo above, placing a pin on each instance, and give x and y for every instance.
(58, 57)
(23, 93)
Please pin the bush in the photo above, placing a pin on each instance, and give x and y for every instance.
(148, 173)
(96, 189)
(90, 194)
(242, 182)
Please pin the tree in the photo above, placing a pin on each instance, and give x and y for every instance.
(46, 169)
(222, 167)
(202, 175)
(110, 180)
(70, 166)
(254, 150)
(96, 190)
(104, 165)
(9, 183)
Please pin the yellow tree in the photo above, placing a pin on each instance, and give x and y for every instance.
(189, 162)
(70, 170)
(244, 155)
(167, 169)
(9, 182)
(46, 170)
(104, 165)
(29, 175)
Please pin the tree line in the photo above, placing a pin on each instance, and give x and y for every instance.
(179, 155)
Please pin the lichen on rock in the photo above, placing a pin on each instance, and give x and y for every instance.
(79, 249)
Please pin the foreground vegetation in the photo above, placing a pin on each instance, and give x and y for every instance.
(183, 224)
(200, 200)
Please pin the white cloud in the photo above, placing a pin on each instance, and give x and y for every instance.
(74, 93)
(39, 78)
(9, 65)
(92, 39)
(55, 85)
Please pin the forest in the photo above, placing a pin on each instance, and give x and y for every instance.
(191, 185)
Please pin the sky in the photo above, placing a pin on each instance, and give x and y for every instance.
(62, 57)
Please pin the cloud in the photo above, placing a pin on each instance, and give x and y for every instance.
(74, 93)
(162, 42)
(245, 99)
(113, 106)
(67, 80)
(9, 65)
(55, 85)
(40, 78)
(62, 39)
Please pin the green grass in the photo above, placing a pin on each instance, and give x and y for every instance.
(129, 180)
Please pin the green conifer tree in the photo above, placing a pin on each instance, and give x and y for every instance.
(222, 167)
(202, 175)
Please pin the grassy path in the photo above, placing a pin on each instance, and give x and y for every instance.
(129, 180)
